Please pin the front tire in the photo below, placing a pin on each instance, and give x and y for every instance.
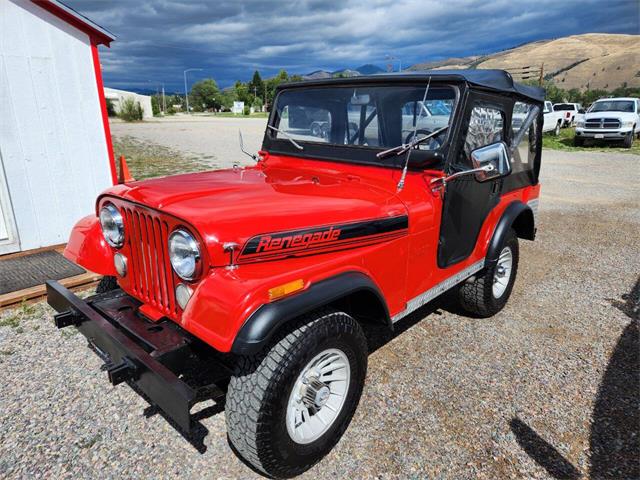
(628, 140)
(288, 406)
(486, 293)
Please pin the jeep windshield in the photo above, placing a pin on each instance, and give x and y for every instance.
(370, 118)
(613, 106)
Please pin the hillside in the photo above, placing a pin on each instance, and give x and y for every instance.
(592, 60)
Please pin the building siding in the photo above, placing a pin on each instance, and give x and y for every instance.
(51, 133)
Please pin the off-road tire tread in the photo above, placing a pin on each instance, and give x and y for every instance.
(255, 379)
(476, 294)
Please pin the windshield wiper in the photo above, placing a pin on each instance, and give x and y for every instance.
(400, 149)
(286, 135)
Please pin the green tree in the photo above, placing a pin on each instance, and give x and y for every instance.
(241, 91)
(256, 85)
(204, 94)
(272, 83)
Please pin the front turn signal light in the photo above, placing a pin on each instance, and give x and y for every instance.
(286, 289)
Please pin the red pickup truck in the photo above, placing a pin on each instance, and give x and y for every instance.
(253, 285)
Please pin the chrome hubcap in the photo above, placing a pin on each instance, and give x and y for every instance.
(318, 396)
(503, 272)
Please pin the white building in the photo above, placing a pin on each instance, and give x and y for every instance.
(118, 96)
(55, 143)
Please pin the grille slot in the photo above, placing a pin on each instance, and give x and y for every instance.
(602, 123)
(150, 275)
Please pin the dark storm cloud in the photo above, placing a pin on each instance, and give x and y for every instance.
(158, 39)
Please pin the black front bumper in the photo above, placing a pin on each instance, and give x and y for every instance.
(169, 367)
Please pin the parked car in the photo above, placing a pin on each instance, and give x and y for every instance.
(610, 119)
(255, 284)
(572, 112)
(553, 120)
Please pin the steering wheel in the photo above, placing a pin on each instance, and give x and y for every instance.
(432, 144)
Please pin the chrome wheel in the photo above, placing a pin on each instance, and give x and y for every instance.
(318, 396)
(502, 273)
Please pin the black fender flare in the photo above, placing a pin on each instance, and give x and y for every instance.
(509, 216)
(258, 329)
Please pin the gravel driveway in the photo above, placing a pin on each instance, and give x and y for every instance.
(548, 388)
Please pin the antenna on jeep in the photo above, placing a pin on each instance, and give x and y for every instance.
(252, 155)
(413, 138)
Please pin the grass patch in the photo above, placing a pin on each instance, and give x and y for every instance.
(16, 316)
(147, 160)
(564, 141)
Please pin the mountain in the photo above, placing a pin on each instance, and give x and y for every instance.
(592, 60)
(368, 69)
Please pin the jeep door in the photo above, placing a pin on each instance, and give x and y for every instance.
(467, 202)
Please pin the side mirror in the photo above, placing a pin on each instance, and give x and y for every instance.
(496, 156)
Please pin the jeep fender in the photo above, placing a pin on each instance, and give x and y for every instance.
(88, 248)
(518, 216)
(261, 325)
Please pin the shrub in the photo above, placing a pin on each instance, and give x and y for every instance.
(111, 109)
(247, 110)
(130, 110)
(155, 106)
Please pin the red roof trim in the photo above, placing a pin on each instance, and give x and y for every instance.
(98, 34)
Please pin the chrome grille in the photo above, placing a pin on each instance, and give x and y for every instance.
(602, 123)
(150, 275)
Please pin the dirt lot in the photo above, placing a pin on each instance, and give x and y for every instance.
(548, 388)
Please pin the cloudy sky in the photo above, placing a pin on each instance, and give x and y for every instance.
(158, 39)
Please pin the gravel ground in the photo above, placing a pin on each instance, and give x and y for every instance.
(212, 139)
(548, 388)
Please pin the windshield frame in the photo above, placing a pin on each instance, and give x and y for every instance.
(364, 154)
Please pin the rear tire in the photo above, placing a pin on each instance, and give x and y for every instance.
(107, 284)
(268, 395)
(486, 293)
(556, 131)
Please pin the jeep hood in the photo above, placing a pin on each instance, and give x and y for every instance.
(237, 204)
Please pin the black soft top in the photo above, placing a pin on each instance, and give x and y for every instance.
(497, 80)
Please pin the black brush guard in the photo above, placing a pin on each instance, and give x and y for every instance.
(163, 362)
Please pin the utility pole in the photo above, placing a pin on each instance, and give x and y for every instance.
(186, 92)
(164, 103)
(541, 74)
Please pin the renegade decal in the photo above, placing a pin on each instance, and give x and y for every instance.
(322, 239)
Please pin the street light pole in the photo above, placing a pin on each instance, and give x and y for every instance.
(186, 92)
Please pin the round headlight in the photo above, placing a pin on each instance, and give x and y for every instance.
(112, 225)
(184, 254)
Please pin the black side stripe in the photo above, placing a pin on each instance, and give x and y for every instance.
(322, 237)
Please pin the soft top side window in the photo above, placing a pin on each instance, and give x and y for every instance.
(486, 126)
(523, 157)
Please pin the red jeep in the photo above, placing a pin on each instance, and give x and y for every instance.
(254, 284)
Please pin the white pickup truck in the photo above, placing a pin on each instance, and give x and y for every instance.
(572, 112)
(611, 119)
(552, 120)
